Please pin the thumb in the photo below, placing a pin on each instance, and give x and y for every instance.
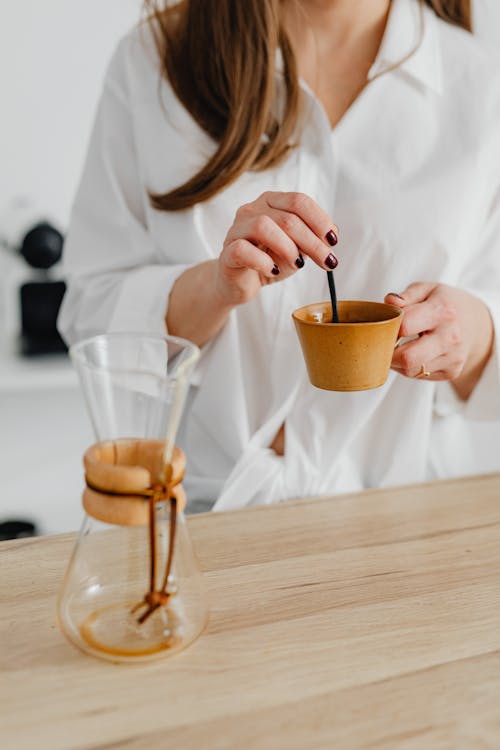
(416, 292)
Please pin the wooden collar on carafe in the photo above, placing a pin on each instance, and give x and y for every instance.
(122, 475)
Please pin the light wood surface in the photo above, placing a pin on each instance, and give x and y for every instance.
(363, 621)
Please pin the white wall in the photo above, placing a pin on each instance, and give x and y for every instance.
(53, 54)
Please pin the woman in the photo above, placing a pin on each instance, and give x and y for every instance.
(231, 143)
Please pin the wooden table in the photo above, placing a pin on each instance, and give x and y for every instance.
(363, 621)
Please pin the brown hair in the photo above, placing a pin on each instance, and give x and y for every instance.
(220, 58)
(458, 12)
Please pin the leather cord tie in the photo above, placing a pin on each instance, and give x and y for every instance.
(123, 473)
(156, 598)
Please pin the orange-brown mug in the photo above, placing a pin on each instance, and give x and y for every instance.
(354, 354)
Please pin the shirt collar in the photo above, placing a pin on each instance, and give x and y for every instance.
(411, 27)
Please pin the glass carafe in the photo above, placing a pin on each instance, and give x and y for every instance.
(133, 590)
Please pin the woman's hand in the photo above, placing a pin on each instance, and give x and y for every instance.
(267, 242)
(455, 335)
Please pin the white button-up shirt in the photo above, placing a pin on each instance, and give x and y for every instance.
(411, 175)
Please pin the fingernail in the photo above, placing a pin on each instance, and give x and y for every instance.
(275, 270)
(331, 238)
(300, 261)
(393, 294)
(331, 261)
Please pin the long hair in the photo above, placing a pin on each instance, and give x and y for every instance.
(458, 12)
(220, 58)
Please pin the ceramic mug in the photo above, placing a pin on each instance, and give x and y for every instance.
(354, 354)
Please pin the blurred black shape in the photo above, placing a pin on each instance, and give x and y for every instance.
(17, 529)
(40, 303)
(42, 246)
(41, 296)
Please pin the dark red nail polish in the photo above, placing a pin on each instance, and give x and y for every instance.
(393, 294)
(331, 238)
(300, 261)
(275, 270)
(331, 261)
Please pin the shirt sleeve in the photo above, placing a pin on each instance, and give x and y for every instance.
(116, 280)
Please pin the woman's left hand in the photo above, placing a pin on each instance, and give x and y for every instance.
(455, 335)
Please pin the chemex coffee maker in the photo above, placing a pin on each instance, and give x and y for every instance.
(133, 590)
(33, 246)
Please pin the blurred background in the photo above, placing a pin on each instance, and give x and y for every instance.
(53, 55)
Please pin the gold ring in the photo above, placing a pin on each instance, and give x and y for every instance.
(424, 373)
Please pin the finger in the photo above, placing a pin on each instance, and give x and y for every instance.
(242, 254)
(284, 269)
(298, 231)
(416, 292)
(393, 298)
(445, 367)
(439, 369)
(317, 220)
(262, 230)
(409, 358)
(425, 316)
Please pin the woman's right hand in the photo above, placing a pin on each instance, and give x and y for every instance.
(267, 242)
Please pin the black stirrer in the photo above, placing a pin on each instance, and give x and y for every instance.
(333, 296)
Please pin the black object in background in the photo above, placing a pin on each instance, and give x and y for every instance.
(41, 299)
(40, 303)
(42, 246)
(16, 529)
